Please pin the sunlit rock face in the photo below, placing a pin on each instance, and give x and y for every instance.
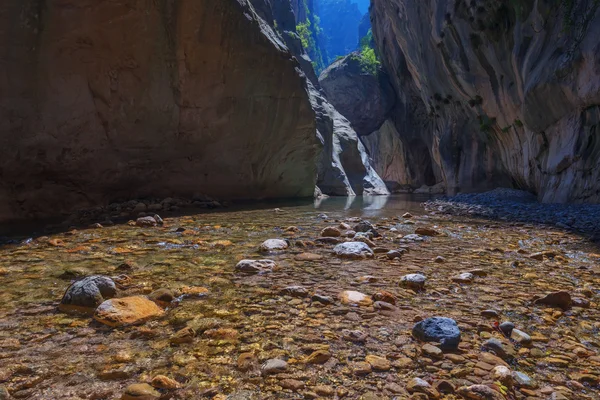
(125, 99)
(512, 90)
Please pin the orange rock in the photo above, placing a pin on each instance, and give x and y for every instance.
(196, 291)
(127, 311)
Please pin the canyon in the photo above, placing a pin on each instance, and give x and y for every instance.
(126, 100)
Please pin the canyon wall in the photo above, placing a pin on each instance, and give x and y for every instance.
(512, 90)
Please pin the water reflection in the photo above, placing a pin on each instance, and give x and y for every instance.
(373, 205)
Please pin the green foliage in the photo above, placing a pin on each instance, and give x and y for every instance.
(368, 60)
(506, 129)
(518, 123)
(309, 31)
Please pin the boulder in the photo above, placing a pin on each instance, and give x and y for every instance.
(87, 294)
(438, 329)
(127, 311)
(353, 250)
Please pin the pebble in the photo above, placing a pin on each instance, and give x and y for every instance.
(444, 386)
(378, 363)
(164, 382)
(432, 351)
(438, 329)
(322, 299)
(4, 395)
(504, 351)
(418, 385)
(308, 257)
(140, 391)
(479, 392)
(439, 260)
(361, 368)
(520, 337)
(273, 366)
(523, 380)
(393, 254)
(352, 297)
(353, 250)
(146, 222)
(318, 357)
(255, 266)
(465, 277)
(413, 281)
(490, 314)
(295, 291)
(507, 327)
(503, 375)
(331, 231)
(271, 245)
(246, 362)
(556, 299)
(292, 384)
(423, 231)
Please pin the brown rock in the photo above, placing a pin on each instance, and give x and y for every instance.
(127, 311)
(479, 392)
(292, 384)
(164, 382)
(556, 299)
(353, 297)
(361, 368)
(140, 391)
(418, 385)
(318, 357)
(385, 296)
(331, 231)
(185, 335)
(378, 363)
(308, 257)
(246, 361)
(424, 231)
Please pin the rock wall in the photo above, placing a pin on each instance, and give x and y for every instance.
(512, 89)
(130, 98)
(344, 168)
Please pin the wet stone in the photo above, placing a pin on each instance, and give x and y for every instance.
(164, 382)
(413, 281)
(523, 380)
(273, 245)
(465, 277)
(322, 299)
(490, 314)
(424, 231)
(127, 311)
(352, 297)
(507, 327)
(378, 363)
(273, 366)
(479, 392)
(418, 385)
(520, 337)
(295, 291)
(393, 254)
(556, 299)
(140, 391)
(255, 266)
(353, 250)
(87, 294)
(146, 222)
(438, 329)
(504, 351)
(331, 231)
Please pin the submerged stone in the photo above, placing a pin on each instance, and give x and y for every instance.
(87, 294)
(127, 311)
(438, 329)
(353, 250)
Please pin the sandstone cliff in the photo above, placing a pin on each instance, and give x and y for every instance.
(512, 89)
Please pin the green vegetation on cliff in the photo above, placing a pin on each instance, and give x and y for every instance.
(309, 32)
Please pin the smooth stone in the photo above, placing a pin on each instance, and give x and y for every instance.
(413, 237)
(292, 384)
(444, 386)
(438, 329)
(504, 351)
(318, 357)
(364, 226)
(273, 366)
(127, 311)
(503, 375)
(322, 299)
(270, 245)
(255, 266)
(479, 392)
(308, 257)
(361, 368)
(465, 277)
(418, 385)
(557, 299)
(87, 294)
(407, 215)
(4, 395)
(490, 314)
(377, 363)
(246, 361)
(146, 222)
(520, 337)
(424, 231)
(331, 231)
(523, 380)
(162, 296)
(140, 391)
(295, 291)
(432, 351)
(413, 281)
(393, 254)
(353, 250)
(352, 297)
(506, 327)
(164, 382)
(439, 260)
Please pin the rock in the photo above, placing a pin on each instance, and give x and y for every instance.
(162, 296)
(444, 386)
(364, 226)
(295, 291)
(361, 368)
(520, 337)
(184, 335)
(272, 245)
(439, 260)
(418, 385)
(393, 254)
(273, 366)
(353, 250)
(438, 329)
(87, 294)
(246, 362)
(127, 311)
(292, 384)
(413, 281)
(4, 395)
(354, 336)
(506, 327)
(523, 381)
(164, 382)
(423, 231)
(504, 351)
(413, 237)
(255, 266)
(352, 297)
(503, 375)
(377, 363)
(140, 391)
(479, 392)
(407, 215)
(318, 357)
(556, 299)
(146, 222)
(385, 296)
(308, 257)
(490, 314)
(322, 299)
(432, 351)
(465, 277)
(331, 231)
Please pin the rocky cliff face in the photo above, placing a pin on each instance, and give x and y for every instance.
(124, 99)
(344, 168)
(512, 89)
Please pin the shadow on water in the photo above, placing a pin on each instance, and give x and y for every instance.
(353, 206)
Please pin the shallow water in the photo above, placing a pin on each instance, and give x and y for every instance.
(46, 354)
